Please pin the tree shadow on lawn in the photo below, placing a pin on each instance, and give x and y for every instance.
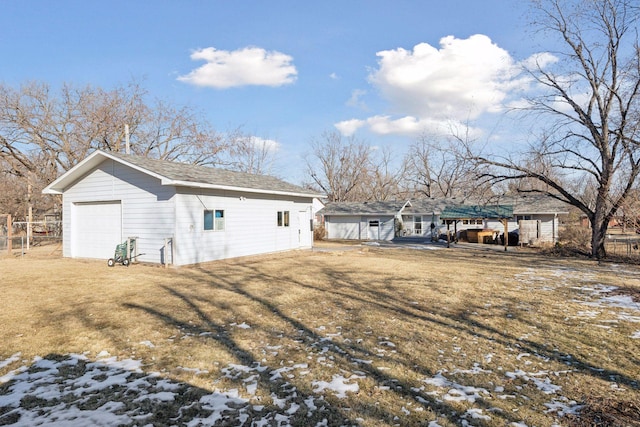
(73, 390)
(348, 356)
(460, 320)
(334, 411)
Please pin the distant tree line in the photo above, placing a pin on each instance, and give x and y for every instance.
(44, 132)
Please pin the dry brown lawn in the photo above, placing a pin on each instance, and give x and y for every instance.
(449, 336)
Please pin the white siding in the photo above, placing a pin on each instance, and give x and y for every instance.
(358, 227)
(386, 229)
(250, 225)
(548, 226)
(343, 227)
(147, 206)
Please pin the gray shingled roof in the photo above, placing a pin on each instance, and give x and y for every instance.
(211, 176)
(536, 203)
(427, 206)
(517, 205)
(477, 211)
(366, 208)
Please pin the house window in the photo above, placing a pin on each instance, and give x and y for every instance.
(523, 218)
(417, 224)
(283, 218)
(214, 219)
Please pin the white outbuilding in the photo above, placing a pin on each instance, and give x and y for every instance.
(178, 213)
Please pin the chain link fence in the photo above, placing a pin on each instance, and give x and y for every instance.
(24, 235)
(623, 246)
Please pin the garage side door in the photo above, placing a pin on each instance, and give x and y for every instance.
(96, 229)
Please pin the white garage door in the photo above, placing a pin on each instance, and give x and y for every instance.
(96, 229)
(343, 227)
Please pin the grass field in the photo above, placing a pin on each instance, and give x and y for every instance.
(356, 335)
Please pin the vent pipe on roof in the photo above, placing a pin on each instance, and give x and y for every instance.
(127, 148)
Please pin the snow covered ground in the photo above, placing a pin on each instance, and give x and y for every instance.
(76, 390)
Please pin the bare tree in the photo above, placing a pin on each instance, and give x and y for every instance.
(382, 182)
(45, 132)
(339, 166)
(248, 153)
(591, 103)
(436, 168)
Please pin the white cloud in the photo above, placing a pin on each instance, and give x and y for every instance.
(462, 79)
(540, 60)
(408, 126)
(355, 100)
(334, 76)
(242, 67)
(349, 127)
(428, 88)
(268, 145)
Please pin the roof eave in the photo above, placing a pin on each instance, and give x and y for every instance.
(179, 183)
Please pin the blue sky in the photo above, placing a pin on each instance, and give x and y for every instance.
(384, 71)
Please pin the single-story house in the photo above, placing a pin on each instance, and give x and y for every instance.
(178, 213)
(537, 214)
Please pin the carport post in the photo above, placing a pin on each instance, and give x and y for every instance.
(9, 233)
(505, 221)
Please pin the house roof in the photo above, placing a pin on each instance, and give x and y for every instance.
(505, 207)
(536, 203)
(364, 208)
(182, 175)
(477, 211)
(427, 206)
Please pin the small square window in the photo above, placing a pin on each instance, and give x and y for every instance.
(283, 218)
(214, 219)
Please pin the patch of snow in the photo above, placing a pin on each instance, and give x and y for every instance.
(13, 358)
(147, 343)
(544, 385)
(195, 371)
(457, 392)
(629, 318)
(563, 407)
(588, 314)
(476, 413)
(635, 335)
(242, 325)
(473, 371)
(339, 385)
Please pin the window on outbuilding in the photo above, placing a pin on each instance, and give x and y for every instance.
(214, 219)
(219, 219)
(283, 218)
(208, 220)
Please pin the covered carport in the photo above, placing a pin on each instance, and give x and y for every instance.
(454, 214)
